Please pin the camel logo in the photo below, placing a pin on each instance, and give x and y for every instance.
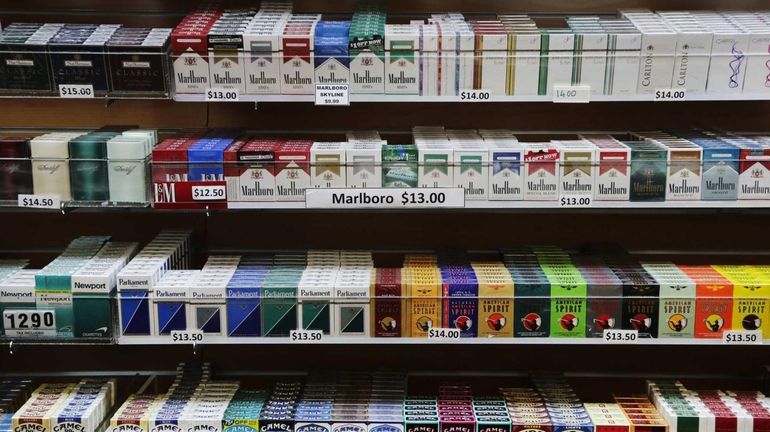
(29, 427)
(69, 427)
(751, 322)
(349, 428)
(385, 428)
(569, 322)
(424, 323)
(604, 322)
(190, 61)
(532, 322)
(714, 322)
(496, 321)
(121, 428)
(463, 323)
(312, 427)
(166, 428)
(677, 322)
(388, 324)
(641, 322)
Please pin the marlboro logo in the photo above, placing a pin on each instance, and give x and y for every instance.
(367, 61)
(190, 61)
(757, 173)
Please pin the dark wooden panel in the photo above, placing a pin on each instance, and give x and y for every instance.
(517, 116)
(53, 113)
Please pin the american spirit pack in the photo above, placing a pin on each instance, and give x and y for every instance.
(677, 300)
(389, 306)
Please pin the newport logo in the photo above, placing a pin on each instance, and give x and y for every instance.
(90, 286)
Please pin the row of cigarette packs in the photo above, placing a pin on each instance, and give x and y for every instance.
(376, 402)
(488, 164)
(272, 51)
(709, 410)
(115, 60)
(103, 165)
(64, 407)
(527, 292)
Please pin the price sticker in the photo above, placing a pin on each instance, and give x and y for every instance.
(187, 336)
(306, 336)
(29, 323)
(332, 94)
(76, 91)
(575, 202)
(208, 193)
(444, 334)
(621, 336)
(742, 337)
(39, 201)
(571, 94)
(670, 95)
(475, 95)
(222, 95)
(385, 198)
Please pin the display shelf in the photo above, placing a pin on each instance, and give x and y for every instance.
(371, 98)
(548, 205)
(223, 340)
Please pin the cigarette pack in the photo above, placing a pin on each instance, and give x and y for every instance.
(613, 160)
(367, 49)
(292, 174)
(720, 168)
(332, 59)
(255, 171)
(297, 64)
(648, 171)
(364, 163)
(190, 52)
(471, 164)
(401, 54)
(542, 174)
(578, 168)
(506, 181)
(556, 59)
(328, 165)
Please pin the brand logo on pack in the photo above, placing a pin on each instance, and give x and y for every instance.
(29, 427)
(349, 428)
(203, 428)
(275, 427)
(166, 428)
(69, 427)
(313, 428)
(385, 428)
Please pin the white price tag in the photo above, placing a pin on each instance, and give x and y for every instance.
(475, 95)
(29, 323)
(444, 333)
(571, 94)
(621, 336)
(670, 95)
(306, 336)
(208, 193)
(222, 95)
(385, 198)
(332, 94)
(187, 336)
(76, 91)
(40, 201)
(575, 201)
(742, 337)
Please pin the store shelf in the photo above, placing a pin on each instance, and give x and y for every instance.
(536, 205)
(224, 340)
(374, 98)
